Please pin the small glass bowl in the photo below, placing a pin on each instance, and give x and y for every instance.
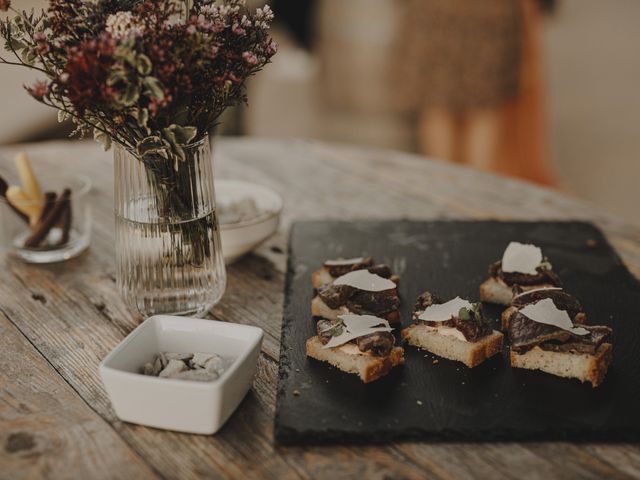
(66, 238)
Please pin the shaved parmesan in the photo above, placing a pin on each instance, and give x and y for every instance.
(342, 262)
(541, 289)
(521, 258)
(356, 326)
(444, 311)
(364, 280)
(545, 311)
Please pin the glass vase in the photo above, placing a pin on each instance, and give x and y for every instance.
(168, 254)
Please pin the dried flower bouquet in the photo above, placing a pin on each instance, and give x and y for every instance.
(152, 76)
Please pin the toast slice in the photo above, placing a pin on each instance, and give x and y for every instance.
(321, 277)
(368, 367)
(585, 367)
(494, 290)
(471, 354)
(321, 309)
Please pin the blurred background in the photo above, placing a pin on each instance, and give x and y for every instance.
(538, 89)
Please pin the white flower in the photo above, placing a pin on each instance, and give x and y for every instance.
(265, 13)
(122, 25)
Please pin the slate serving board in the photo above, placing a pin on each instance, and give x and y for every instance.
(317, 403)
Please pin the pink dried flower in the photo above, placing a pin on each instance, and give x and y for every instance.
(272, 48)
(41, 43)
(250, 58)
(238, 30)
(38, 90)
(4, 5)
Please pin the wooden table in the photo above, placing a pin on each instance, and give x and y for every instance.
(57, 322)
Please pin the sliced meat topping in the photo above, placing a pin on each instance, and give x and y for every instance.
(560, 298)
(524, 334)
(339, 270)
(326, 329)
(359, 301)
(425, 300)
(377, 343)
(379, 269)
(545, 275)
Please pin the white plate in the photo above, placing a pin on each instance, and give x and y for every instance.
(173, 404)
(240, 238)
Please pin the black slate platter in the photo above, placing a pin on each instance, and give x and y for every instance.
(423, 400)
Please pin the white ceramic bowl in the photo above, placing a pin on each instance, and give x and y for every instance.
(240, 238)
(173, 404)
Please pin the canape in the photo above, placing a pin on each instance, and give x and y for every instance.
(543, 337)
(456, 330)
(358, 344)
(522, 268)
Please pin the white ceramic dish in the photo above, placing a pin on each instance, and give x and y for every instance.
(240, 238)
(173, 404)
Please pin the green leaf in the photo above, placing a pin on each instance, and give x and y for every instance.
(144, 65)
(29, 57)
(130, 95)
(153, 87)
(16, 44)
(103, 138)
(152, 146)
(463, 314)
(181, 135)
(116, 75)
(141, 116)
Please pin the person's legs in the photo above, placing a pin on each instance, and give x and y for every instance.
(481, 138)
(437, 132)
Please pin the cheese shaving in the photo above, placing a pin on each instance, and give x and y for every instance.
(541, 289)
(365, 280)
(545, 311)
(442, 312)
(356, 326)
(521, 258)
(342, 262)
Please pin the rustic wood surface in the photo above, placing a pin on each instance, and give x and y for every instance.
(57, 322)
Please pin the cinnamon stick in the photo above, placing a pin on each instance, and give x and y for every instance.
(65, 223)
(3, 193)
(49, 200)
(54, 215)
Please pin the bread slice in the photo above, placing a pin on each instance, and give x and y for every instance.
(321, 309)
(583, 366)
(494, 290)
(580, 318)
(469, 353)
(321, 277)
(367, 367)
(505, 316)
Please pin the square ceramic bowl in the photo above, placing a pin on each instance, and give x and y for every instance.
(174, 404)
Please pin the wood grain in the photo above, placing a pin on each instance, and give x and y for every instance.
(47, 429)
(71, 315)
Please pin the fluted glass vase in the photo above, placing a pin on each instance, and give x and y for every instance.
(168, 255)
